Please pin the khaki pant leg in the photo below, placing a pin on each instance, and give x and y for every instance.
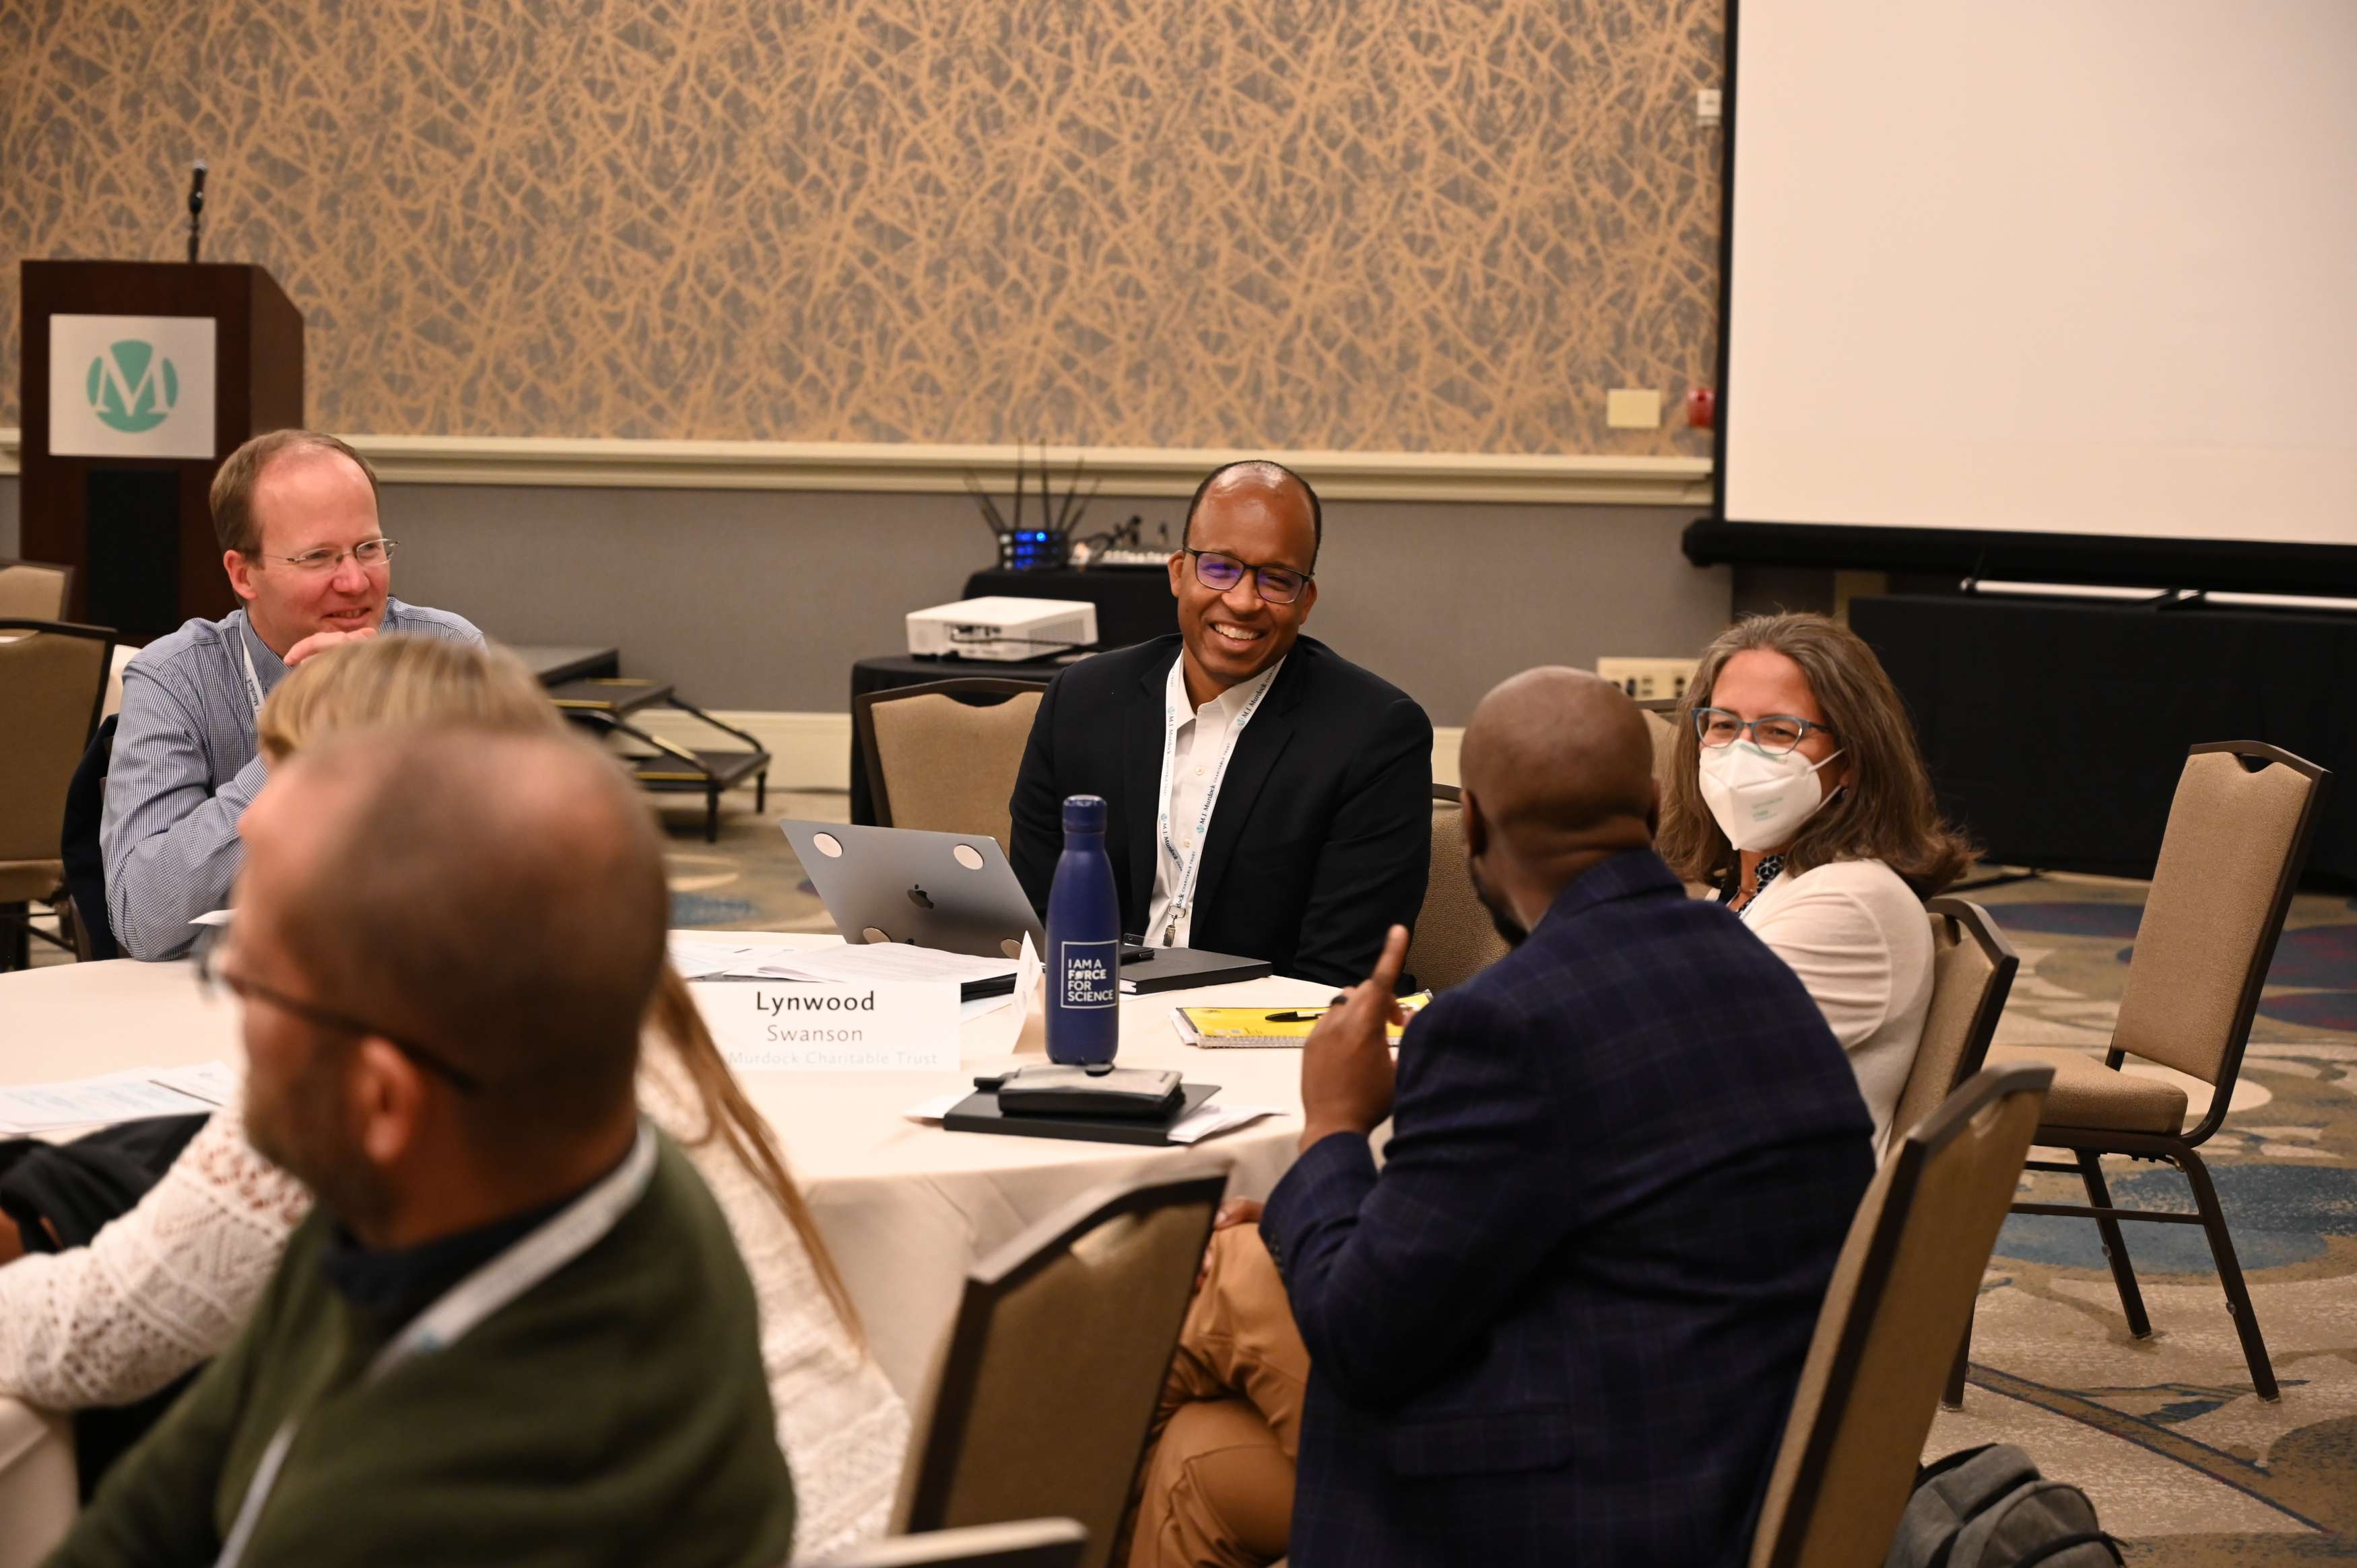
(1218, 1492)
(1240, 1339)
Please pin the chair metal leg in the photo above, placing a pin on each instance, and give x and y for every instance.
(761, 792)
(1953, 1396)
(2229, 1274)
(712, 815)
(2115, 1249)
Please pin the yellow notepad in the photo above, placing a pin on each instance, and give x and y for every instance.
(1226, 1026)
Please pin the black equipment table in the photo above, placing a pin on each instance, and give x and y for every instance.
(557, 664)
(2055, 729)
(1133, 603)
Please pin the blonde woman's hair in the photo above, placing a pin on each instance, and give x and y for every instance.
(422, 680)
(1886, 813)
(398, 680)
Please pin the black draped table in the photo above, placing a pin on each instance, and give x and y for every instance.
(2056, 729)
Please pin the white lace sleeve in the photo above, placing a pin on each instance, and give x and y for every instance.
(842, 1429)
(159, 1290)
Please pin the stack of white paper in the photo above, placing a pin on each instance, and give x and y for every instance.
(860, 963)
(114, 1097)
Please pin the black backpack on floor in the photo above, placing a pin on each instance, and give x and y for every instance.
(1989, 1507)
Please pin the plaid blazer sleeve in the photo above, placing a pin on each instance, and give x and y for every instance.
(1389, 1279)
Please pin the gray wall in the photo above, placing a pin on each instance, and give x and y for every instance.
(761, 599)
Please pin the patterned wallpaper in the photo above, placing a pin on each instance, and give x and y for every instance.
(1436, 225)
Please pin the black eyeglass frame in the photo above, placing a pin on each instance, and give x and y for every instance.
(1260, 582)
(209, 973)
(1751, 726)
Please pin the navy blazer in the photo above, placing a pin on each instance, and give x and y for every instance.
(1320, 836)
(1564, 1323)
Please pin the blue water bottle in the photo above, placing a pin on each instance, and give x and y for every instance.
(1083, 942)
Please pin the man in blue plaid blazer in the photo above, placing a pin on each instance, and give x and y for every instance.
(1563, 1324)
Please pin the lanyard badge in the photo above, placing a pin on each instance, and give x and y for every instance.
(1186, 868)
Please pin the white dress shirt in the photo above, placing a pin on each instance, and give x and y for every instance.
(1196, 755)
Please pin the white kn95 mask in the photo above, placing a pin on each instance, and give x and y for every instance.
(1759, 802)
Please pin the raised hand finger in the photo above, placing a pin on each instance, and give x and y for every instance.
(1385, 978)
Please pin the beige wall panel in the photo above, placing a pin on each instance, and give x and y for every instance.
(1423, 225)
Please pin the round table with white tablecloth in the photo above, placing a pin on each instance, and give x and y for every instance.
(906, 1206)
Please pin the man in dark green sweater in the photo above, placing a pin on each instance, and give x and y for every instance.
(516, 1329)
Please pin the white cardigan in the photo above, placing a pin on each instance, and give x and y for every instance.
(1857, 936)
(172, 1282)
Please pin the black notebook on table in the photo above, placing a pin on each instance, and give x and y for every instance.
(979, 1113)
(1178, 968)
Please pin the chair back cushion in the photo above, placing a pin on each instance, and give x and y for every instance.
(1901, 1294)
(949, 767)
(1454, 938)
(51, 683)
(1972, 971)
(31, 591)
(1664, 727)
(1057, 1361)
(2216, 907)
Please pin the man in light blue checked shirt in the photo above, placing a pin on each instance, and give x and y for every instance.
(296, 516)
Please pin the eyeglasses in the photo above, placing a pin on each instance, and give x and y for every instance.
(1277, 585)
(368, 552)
(209, 973)
(1775, 734)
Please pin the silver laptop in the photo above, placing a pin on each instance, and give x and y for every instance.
(952, 891)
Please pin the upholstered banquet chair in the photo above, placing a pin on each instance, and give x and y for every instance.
(52, 681)
(937, 761)
(1906, 1278)
(1055, 1361)
(2238, 834)
(1454, 938)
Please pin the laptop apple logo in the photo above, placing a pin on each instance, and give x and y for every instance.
(917, 896)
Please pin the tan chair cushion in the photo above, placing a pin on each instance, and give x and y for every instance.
(22, 880)
(30, 592)
(949, 767)
(2086, 1094)
(2212, 908)
(1454, 938)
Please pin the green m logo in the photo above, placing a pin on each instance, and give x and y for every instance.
(126, 391)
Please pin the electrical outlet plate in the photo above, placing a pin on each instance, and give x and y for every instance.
(1649, 679)
(1706, 105)
(1633, 408)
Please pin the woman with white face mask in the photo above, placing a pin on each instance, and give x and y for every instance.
(1799, 794)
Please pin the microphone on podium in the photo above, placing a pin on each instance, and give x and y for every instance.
(196, 205)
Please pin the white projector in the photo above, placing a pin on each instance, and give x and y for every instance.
(1003, 629)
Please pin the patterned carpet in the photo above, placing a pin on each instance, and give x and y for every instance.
(2182, 1459)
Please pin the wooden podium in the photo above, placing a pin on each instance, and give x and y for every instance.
(116, 457)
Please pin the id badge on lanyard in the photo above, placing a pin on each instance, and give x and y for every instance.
(253, 680)
(1187, 868)
(571, 1232)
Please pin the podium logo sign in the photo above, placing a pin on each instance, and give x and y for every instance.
(131, 386)
(127, 393)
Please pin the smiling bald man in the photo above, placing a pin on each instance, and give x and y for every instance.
(1264, 796)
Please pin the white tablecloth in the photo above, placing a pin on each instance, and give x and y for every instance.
(905, 1207)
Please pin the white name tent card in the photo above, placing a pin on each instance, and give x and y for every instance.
(881, 1026)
